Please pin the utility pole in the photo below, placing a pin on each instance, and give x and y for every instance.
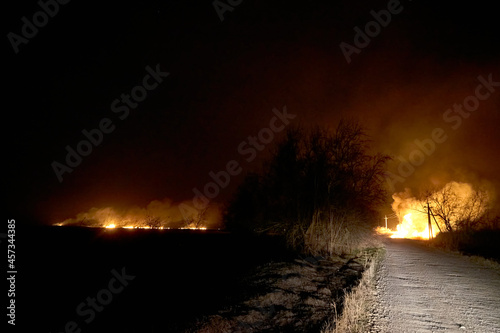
(386, 221)
(434, 217)
(429, 220)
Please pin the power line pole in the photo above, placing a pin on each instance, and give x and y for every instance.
(434, 217)
(429, 220)
(386, 221)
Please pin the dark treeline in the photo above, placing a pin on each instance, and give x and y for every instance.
(320, 189)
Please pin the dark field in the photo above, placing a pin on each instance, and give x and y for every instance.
(172, 277)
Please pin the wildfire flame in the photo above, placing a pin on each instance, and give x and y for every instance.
(408, 229)
(113, 226)
(414, 214)
(157, 215)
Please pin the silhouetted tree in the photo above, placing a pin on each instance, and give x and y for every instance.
(153, 222)
(456, 208)
(246, 209)
(312, 177)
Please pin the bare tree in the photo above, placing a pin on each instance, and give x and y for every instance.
(313, 179)
(200, 219)
(473, 209)
(196, 217)
(153, 222)
(457, 206)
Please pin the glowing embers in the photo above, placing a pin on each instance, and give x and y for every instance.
(193, 228)
(132, 227)
(158, 215)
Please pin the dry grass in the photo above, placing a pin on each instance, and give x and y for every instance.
(485, 262)
(299, 295)
(339, 234)
(483, 243)
(355, 316)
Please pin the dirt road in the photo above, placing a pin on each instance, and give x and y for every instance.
(420, 289)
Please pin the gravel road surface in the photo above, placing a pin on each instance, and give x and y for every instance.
(422, 289)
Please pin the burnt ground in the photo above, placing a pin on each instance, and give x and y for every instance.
(179, 278)
(293, 296)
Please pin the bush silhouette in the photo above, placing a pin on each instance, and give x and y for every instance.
(320, 189)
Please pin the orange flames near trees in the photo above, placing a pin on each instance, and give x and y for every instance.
(455, 206)
(157, 215)
(411, 227)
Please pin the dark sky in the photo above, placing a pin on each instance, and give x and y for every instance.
(225, 78)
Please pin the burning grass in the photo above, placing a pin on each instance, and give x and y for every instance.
(454, 206)
(164, 214)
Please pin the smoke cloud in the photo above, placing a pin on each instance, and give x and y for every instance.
(459, 202)
(158, 214)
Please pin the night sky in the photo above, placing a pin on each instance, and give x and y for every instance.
(224, 79)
